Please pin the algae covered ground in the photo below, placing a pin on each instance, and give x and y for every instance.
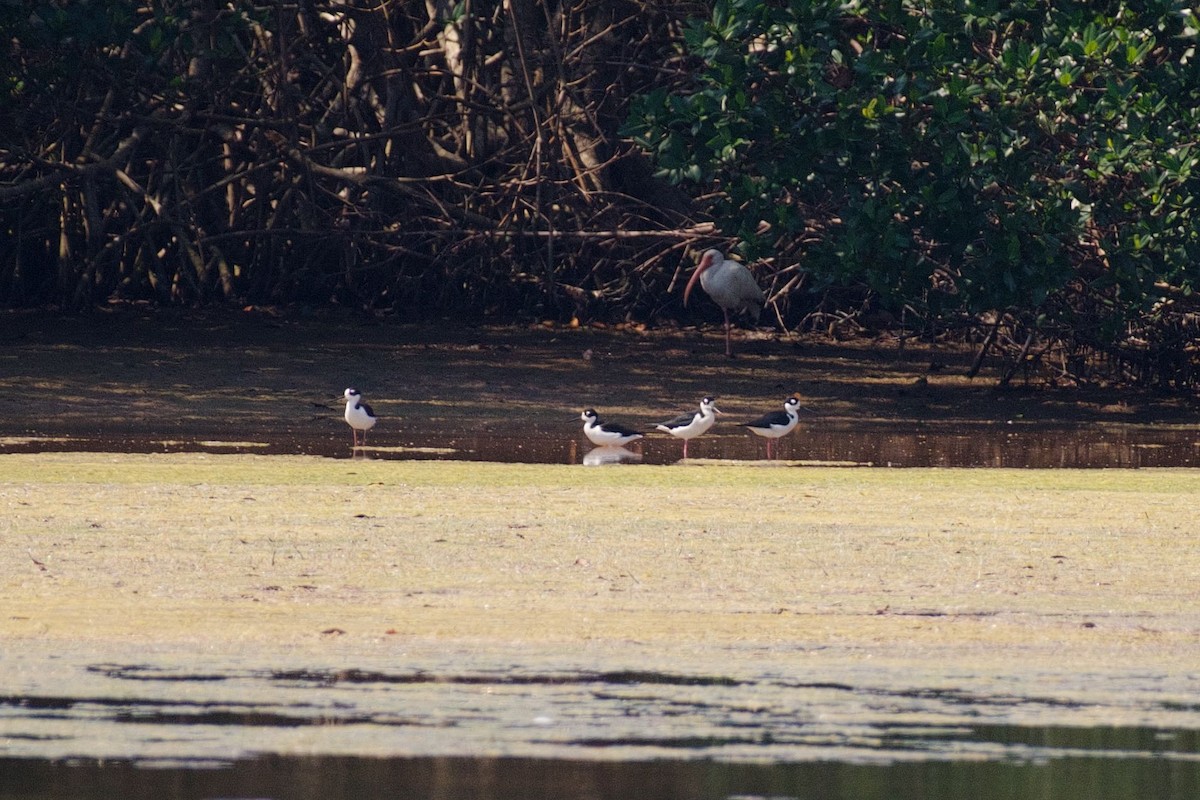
(1018, 568)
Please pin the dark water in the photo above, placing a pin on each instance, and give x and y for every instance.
(197, 726)
(1017, 445)
(322, 778)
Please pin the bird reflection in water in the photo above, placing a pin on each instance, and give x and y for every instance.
(610, 454)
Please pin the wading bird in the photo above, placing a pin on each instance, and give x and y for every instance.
(775, 424)
(730, 285)
(606, 433)
(692, 424)
(359, 415)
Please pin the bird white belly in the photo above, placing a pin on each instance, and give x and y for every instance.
(599, 436)
(359, 419)
(697, 426)
(772, 431)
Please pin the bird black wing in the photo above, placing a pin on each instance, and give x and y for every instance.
(767, 420)
(681, 420)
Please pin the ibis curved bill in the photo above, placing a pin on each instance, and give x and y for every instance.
(730, 285)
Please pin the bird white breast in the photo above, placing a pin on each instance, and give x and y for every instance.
(358, 418)
(699, 424)
(773, 430)
(599, 436)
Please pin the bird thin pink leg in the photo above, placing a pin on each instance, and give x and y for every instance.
(728, 346)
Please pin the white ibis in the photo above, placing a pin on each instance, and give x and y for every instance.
(606, 433)
(692, 424)
(359, 415)
(775, 424)
(730, 285)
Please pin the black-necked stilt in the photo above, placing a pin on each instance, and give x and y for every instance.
(359, 415)
(690, 425)
(777, 423)
(606, 433)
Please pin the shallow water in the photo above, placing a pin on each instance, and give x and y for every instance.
(1013, 445)
(169, 726)
(1076, 777)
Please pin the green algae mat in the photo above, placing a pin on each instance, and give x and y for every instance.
(989, 565)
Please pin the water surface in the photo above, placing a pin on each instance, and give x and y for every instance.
(485, 724)
(1017, 444)
(1078, 777)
